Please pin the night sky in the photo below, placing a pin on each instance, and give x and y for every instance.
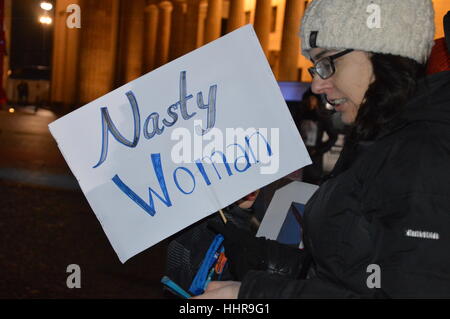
(30, 40)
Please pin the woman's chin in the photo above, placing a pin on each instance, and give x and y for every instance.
(347, 111)
(346, 117)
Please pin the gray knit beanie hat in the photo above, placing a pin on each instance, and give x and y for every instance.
(399, 27)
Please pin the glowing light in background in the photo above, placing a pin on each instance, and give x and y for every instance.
(47, 6)
(45, 20)
(11, 110)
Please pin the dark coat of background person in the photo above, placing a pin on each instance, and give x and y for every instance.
(366, 213)
(321, 119)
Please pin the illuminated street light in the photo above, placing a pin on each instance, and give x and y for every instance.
(47, 6)
(11, 110)
(45, 20)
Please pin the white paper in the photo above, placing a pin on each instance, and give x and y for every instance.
(279, 207)
(247, 96)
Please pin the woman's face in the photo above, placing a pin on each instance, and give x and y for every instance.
(345, 90)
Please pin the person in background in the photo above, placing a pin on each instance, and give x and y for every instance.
(313, 120)
(379, 226)
(22, 90)
(440, 54)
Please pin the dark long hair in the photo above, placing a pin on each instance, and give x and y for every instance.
(395, 83)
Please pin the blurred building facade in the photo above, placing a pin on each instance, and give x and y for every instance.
(120, 40)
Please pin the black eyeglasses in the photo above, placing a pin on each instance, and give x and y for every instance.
(325, 67)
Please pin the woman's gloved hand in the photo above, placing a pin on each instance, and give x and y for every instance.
(246, 252)
(243, 250)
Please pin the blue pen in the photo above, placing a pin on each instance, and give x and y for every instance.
(175, 288)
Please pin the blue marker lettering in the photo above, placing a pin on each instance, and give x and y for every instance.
(154, 117)
(108, 126)
(176, 179)
(237, 158)
(150, 207)
(172, 114)
(210, 107)
(184, 98)
(247, 141)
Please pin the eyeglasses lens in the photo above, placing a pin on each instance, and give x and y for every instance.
(324, 68)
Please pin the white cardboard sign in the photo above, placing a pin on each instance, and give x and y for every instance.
(139, 152)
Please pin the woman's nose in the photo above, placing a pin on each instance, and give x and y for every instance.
(320, 86)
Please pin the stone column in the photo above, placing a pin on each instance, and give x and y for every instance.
(98, 46)
(263, 21)
(441, 7)
(191, 26)
(150, 35)
(290, 43)
(131, 44)
(178, 28)
(163, 38)
(58, 54)
(65, 59)
(202, 12)
(213, 22)
(236, 16)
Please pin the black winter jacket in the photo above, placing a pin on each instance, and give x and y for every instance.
(390, 207)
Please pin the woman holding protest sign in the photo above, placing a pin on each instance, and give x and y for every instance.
(379, 226)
